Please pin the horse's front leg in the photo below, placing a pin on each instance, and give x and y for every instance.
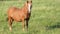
(10, 24)
(27, 20)
(23, 24)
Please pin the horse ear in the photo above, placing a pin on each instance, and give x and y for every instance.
(31, 1)
(27, 1)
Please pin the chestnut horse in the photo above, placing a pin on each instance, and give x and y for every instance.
(20, 14)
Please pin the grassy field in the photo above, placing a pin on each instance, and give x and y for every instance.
(45, 17)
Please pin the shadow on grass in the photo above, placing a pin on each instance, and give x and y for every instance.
(53, 26)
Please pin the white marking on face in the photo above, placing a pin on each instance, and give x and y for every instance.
(29, 7)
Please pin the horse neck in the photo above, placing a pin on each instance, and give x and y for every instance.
(25, 8)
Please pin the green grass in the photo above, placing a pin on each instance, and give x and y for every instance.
(45, 17)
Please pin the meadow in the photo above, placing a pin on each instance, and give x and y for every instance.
(45, 17)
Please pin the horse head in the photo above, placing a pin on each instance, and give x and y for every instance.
(29, 5)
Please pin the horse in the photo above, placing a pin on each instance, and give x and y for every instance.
(20, 15)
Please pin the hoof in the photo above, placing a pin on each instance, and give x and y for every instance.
(10, 29)
(23, 29)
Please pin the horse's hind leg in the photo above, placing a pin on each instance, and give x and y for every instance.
(10, 23)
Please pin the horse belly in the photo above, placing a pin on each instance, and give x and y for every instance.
(16, 17)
